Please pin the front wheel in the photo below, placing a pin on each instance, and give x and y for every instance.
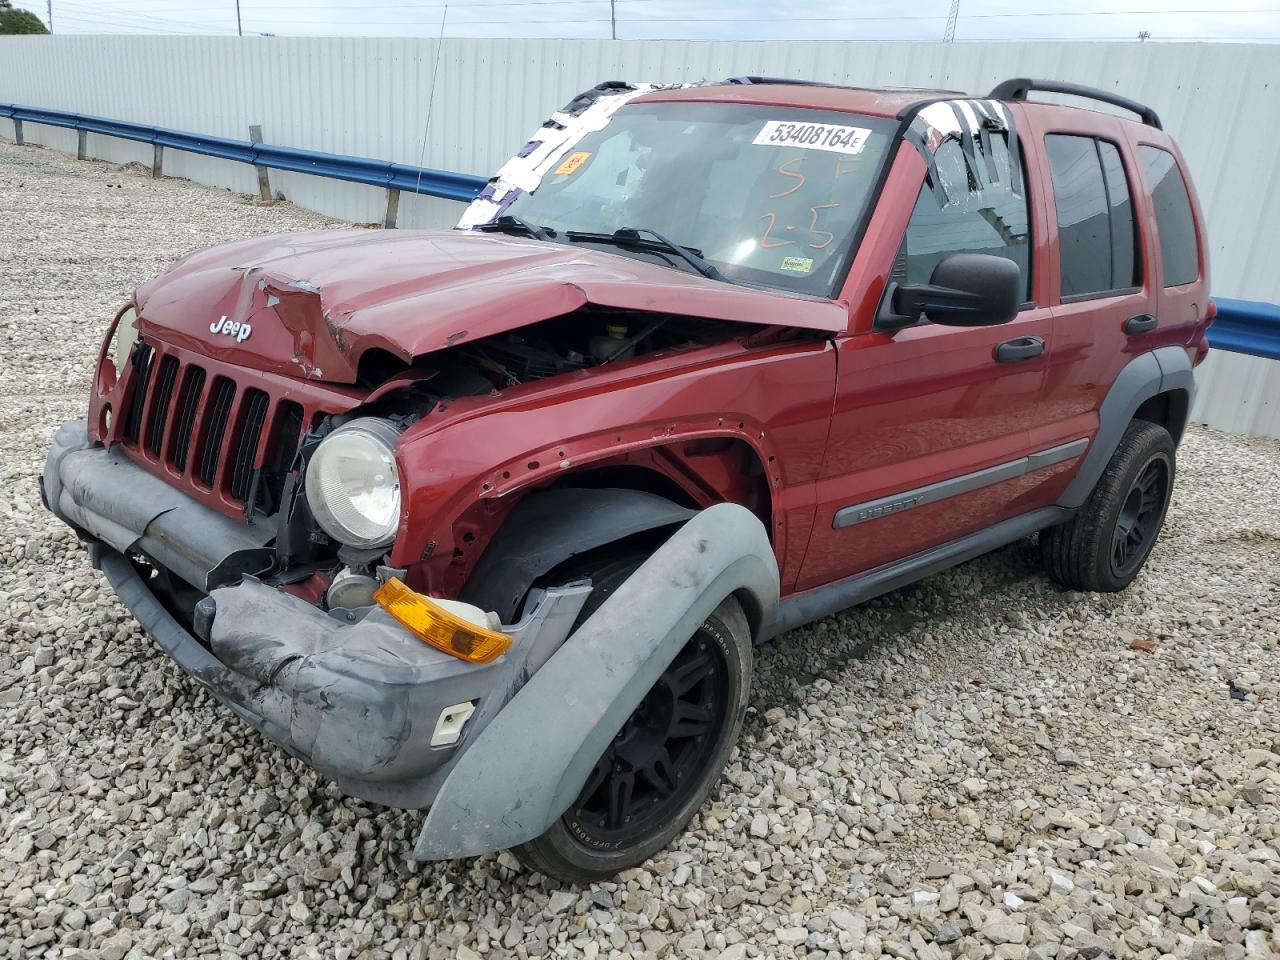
(661, 765)
(1105, 545)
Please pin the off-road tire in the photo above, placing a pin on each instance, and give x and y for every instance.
(1082, 553)
(568, 854)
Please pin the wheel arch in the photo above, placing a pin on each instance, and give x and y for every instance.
(1169, 409)
(615, 498)
(1155, 384)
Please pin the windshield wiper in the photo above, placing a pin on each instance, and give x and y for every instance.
(631, 237)
(509, 222)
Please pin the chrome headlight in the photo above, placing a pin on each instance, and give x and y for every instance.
(353, 486)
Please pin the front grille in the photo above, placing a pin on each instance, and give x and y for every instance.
(228, 444)
(188, 405)
(254, 415)
(143, 358)
(218, 411)
(165, 380)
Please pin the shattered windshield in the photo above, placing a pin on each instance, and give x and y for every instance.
(769, 195)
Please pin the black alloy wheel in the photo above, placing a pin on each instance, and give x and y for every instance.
(663, 763)
(652, 767)
(1107, 541)
(1140, 517)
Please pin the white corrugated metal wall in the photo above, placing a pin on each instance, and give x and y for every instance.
(370, 97)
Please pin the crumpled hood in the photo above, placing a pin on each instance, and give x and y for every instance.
(309, 304)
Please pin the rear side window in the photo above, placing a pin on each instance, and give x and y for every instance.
(969, 205)
(1178, 250)
(1096, 236)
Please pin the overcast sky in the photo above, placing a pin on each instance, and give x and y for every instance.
(688, 19)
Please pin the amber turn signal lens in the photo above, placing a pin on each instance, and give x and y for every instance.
(434, 625)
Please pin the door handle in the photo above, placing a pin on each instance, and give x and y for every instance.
(1022, 348)
(1142, 323)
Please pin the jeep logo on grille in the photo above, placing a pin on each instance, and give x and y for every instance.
(232, 328)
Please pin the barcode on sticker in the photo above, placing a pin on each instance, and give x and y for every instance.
(813, 136)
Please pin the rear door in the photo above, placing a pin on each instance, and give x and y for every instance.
(930, 406)
(1098, 269)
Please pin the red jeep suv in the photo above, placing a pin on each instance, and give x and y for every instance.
(487, 521)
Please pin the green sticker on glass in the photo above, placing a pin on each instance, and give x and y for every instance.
(797, 264)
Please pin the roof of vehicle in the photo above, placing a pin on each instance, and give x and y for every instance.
(875, 103)
(888, 102)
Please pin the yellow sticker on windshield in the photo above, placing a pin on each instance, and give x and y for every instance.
(573, 162)
(797, 264)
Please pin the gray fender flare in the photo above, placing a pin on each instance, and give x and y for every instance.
(1145, 376)
(529, 764)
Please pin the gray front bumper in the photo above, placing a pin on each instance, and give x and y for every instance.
(358, 702)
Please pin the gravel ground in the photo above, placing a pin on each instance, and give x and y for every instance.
(985, 766)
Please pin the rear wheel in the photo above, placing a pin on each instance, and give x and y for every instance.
(1105, 545)
(665, 760)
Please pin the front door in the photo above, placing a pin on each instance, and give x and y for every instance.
(932, 423)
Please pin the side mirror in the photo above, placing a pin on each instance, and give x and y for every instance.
(966, 290)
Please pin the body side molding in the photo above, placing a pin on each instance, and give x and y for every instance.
(954, 486)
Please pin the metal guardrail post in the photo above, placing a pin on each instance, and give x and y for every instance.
(393, 208)
(17, 131)
(82, 144)
(157, 161)
(264, 179)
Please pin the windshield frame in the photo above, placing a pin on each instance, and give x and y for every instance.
(850, 238)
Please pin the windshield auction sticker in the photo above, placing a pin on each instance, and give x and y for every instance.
(573, 162)
(813, 136)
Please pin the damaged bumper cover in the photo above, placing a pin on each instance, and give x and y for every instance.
(360, 701)
(357, 701)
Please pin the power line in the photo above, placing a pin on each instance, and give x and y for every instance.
(125, 27)
(155, 21)
(124, 16)
(416, 6)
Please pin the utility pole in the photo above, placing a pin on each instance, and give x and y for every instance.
(613, 19)
(950, 35)
(49, 8)
(239, 28)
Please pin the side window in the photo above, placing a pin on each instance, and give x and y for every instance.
(974, 207)
(1096, 238)
(1178, 250)
(1126, 265)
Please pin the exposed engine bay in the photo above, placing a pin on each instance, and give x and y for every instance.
(587, 338)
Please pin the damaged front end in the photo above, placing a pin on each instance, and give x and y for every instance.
(352, 692)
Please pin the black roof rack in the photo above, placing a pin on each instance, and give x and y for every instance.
(786, 80)
(836, 86)
(1018, 88)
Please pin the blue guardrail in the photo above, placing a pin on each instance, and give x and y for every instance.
(377, 173)
(1247, 326)
(1242, 326)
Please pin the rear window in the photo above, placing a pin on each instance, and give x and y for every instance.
(1096, 238)
(1178, 249)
